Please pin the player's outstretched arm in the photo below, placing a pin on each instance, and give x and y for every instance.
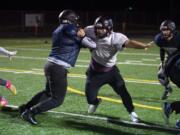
(137, 45)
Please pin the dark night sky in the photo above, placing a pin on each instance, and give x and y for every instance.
(98, 5)
(143, 11)
(168, 7)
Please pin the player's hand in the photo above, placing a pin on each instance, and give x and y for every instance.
(81, 33)
(148, 45)
(161, 65)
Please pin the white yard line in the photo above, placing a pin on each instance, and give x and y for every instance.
(40, 72)
(126, 62)
(153, 60)
(83, 51)
(31, 49)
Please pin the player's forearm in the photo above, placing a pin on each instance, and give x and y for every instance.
(162, 55)
(135, 44)
(88, 42)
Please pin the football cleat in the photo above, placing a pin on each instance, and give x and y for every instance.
(29, 117)
(92, 108)
(134, 117)
(3, 102)
(167, 111)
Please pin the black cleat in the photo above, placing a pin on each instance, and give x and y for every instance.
(29, 117)
(167, 111)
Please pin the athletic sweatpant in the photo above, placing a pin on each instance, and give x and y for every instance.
(55, 89)
(95, 80)
(176, 106)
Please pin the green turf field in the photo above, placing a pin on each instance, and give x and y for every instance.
(138, 67)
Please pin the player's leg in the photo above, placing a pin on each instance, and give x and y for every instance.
(169, 108)
(93, 83)
(118, 85)
(164, 81)
(174, 72)
(176, 106)
(57, 79)
(42, 95)
(58, 87)
(8, 85)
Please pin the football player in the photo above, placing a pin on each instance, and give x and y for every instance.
(168, 40)
(7, 83)
(102, 69)
(173, 72)
(67, 40)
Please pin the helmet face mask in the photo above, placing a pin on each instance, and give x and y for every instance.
(166, 32)
(103, 26)
(101, 32)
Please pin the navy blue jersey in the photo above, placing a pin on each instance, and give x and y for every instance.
(65, 44)
(167, 47)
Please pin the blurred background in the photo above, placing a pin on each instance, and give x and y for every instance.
(132, 17)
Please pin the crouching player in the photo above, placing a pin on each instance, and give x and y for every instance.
(168, 40)
(7, 83)
(173, 72)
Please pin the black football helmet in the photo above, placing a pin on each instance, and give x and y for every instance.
(169, 25)
(69, 17)
(167, 29)
(103, 22)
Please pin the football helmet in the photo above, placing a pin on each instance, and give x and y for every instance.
(167, 29)
(168, 24)
(69, 17)
(103, 23)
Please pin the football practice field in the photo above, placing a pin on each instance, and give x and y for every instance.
(138, 67)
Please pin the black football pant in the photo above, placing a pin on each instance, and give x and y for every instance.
(55, 90)
(172, 68)
(175, 106)
(95, 80)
